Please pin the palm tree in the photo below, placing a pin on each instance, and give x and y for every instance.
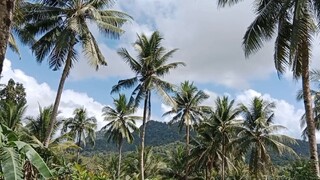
(212, 145)
(61, 26)
(82, 127)
(38, 126)
(149, 68)
(11, 114)
(188, 110)
(6, 16)
(121, 125)
(258, 136)
(223, 125)
(293, 24)
(314, 77)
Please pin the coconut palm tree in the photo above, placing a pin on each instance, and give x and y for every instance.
(258, 136)
(212, 145)
(314, 77)
(150, 66)
(6, 14)
(38, 126)
(223, 124)
(293, 24)
(63, 25)
(81, 128)
(121, 124)
(188, 110)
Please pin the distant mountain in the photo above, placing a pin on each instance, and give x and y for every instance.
(160, 134)
(157, 134)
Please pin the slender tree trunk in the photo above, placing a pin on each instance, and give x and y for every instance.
(309, 115)
(146, 110)
(6, 16)
(187, 148)
(79, 144)
(54, 114)
(223, 157)
(187, 139)
(119, 163)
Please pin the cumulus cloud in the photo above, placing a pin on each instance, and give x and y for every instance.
(209, 41)
(42, 94)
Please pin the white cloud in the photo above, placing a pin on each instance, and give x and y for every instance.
(41, 93)
(209, 41)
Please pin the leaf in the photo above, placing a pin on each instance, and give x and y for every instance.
(34, 158)
(11, 165)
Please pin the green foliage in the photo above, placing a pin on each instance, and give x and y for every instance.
(15, 153)
(258, 134)
(121, 121)
(157, 134)
(13, 92)
(301, 169)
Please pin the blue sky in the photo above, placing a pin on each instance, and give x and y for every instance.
(209, 42)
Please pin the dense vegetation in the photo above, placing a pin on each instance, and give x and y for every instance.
(224, 140)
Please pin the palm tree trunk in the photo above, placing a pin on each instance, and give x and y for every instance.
(309, 116)
(187, 148)
(54, 114)
(223, 157)
(79, 144)
(6, 15)
(119, 163)
(146, 110)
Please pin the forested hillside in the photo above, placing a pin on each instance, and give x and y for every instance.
(162, 135)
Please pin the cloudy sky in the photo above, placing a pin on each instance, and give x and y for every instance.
(209, 42)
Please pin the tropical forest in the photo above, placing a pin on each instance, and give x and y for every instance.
(159, 90)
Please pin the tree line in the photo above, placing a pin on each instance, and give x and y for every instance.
(53, 29)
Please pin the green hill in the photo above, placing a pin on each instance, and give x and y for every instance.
(157, 134)
(160, 134)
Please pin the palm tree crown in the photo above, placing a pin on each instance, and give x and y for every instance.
(38, 126)
(188, 110)
(81, 127)
(61, 25)
(258, 135)
(121, 121)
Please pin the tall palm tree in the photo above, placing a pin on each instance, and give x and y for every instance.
(61, 26)
(37, 128)
(188, 110)
(11, 114)
(122, 123)
(150, 66)
(6, 16)
(314, 77)
(258, 136)
(293, 24)
(212, 146)
(223, 125)
(81, 127)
